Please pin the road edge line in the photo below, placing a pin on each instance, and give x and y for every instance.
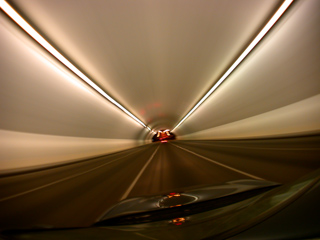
(58, 181)
(220, 164)
(127, 192)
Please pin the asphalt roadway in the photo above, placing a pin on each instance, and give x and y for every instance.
(76, 195)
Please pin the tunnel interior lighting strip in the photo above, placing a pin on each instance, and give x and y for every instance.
(257, 39)
(45, 44)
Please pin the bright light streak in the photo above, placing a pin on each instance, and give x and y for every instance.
(257, 39)
(36, 36)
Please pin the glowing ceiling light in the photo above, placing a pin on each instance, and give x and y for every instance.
(257, 39)
(36, 36)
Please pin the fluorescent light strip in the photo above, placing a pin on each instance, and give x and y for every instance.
(36, 36)
(257, 39)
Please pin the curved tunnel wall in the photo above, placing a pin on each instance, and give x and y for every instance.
(301, 118)
(274, 92)
(50, 116)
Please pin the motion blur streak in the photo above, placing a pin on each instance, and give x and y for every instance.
(55, 149)
(222, 165)
(300, 117)
(147, 170)
(257, 39)
(59, 181)
(36, 36)
(68, 155)
(127, 192)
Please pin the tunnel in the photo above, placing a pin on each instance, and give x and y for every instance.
(102, 102)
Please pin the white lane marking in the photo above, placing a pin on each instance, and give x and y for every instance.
(144, 236)
(61, 180)
(220, 164)
(260, 148)
(125, 195)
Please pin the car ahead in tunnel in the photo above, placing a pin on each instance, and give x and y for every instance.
(242, 209)
(163, 136)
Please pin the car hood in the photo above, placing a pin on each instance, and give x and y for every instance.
(187, 197)
(225, 211)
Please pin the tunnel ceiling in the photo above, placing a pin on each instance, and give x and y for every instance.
(157, 58)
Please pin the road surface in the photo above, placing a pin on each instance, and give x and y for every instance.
(76, 195)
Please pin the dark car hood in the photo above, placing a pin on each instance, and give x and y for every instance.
(192, 196)
(289, 212)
